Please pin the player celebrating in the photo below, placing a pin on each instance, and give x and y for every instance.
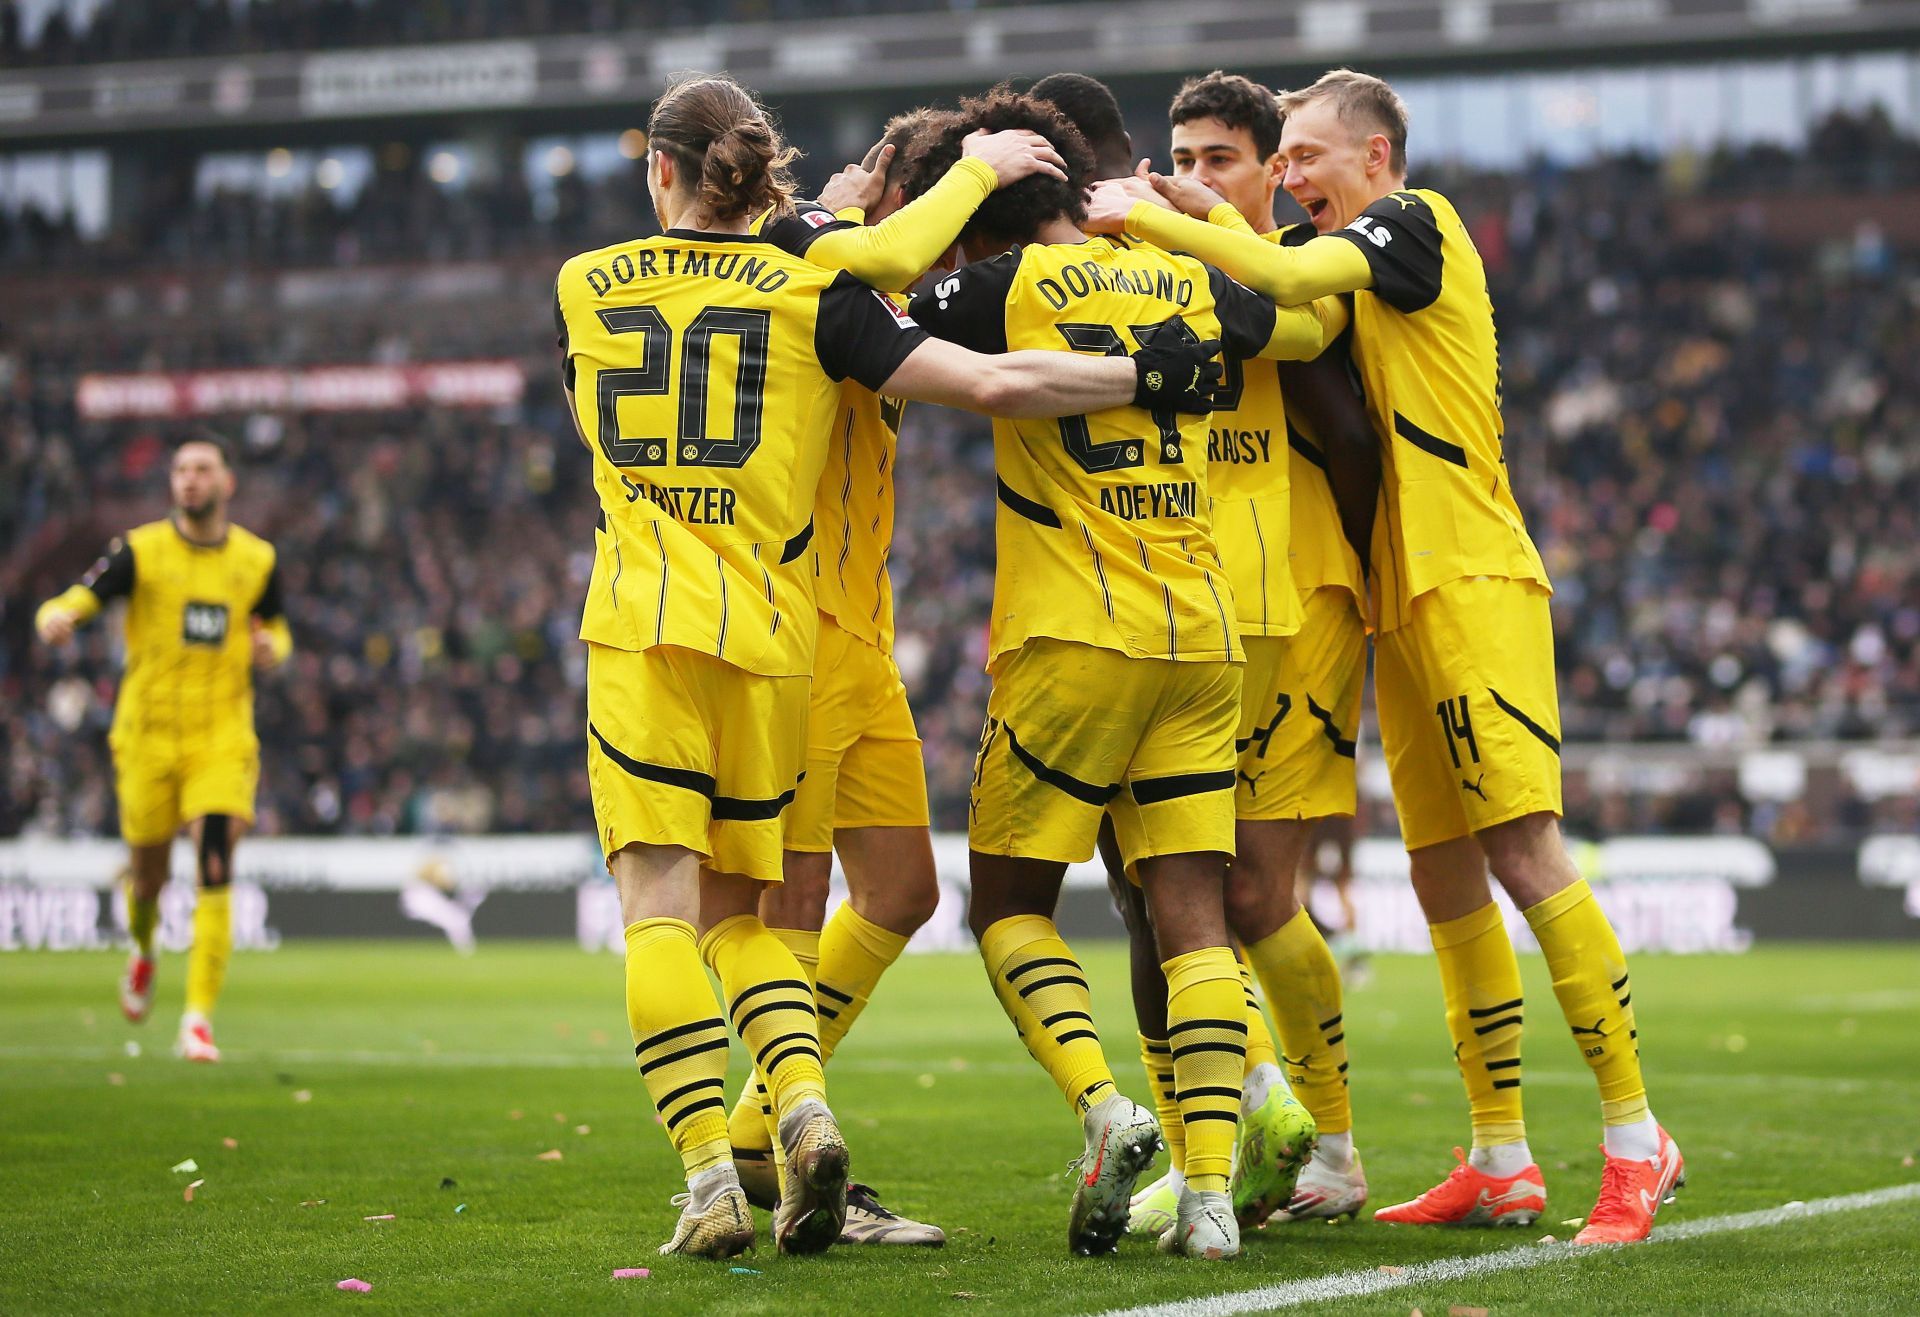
(703, 370)
(203, 611)
(864, 793)
(1296, 763)
(1468, 710)
(1115, 666)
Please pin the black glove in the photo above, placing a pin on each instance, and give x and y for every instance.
(1176, 374)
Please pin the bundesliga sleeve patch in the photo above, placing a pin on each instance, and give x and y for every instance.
(900, 318)
(818, 219)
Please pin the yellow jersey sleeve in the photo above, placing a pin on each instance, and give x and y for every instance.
(1103, 534)
(110, 578)
(894, 253)
(1291, 276)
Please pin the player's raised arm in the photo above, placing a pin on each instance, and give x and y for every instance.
(108, 579)
(894, 253)
(1291, 276)
(1252, 326)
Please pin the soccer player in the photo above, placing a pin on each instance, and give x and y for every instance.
(1296, 762)
(203, 612)
(703, 368)
(1115, 666)
(864, 793)
(1464, 655)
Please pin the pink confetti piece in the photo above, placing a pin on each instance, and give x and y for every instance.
(119, 1080)
(631, 1273)
(598, 1037)
(230, 1143)
(354, 1285)
(314, 1202)
(384, 1216)
(583, 1129)
(186, 1195)
(1391, 1271)
(559, 1117)
(303, 1095)
(550, 1155)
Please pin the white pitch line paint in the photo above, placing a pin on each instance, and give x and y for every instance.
(1356, 1284)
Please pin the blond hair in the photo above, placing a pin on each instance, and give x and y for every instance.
(1364, 103)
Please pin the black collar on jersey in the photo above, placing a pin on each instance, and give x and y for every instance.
(220, 543)
(695, 235)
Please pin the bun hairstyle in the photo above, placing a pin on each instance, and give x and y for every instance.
(718, 135)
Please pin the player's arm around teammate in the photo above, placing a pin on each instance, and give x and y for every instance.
(700, 617)
(186, 579)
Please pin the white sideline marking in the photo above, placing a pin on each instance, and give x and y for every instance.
(1355, 1284)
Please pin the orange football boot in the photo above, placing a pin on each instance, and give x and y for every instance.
(1470, 1197)
(1631, 1191)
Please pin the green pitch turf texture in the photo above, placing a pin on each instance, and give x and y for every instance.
(361, 1078)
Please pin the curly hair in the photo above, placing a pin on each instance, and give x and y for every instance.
(724, 141)
(1236, 102)
(1016, 212)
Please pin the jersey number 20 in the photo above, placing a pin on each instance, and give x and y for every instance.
(691, 443)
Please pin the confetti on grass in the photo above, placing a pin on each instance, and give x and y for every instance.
(119, 1080)
(354, 1285)
(229, 1142)
(313, 1202)
(187, 1167)
(742, 1271)
(186, 1195)
(384, 1216)
(631, 1273)
(550, 1155)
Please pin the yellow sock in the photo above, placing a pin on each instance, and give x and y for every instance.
(854, 953)
(1298, 972)
(1044, 992)
(1590, 979)
(1207, 1029)
(771, 1004)
(1480, 979)
(1157, 1058)
(212, 946)
(1260, 1049)
(143, 917)
(756, 1104)
(679, 1039)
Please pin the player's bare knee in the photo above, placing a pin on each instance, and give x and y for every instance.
(215, 858)
(1258, 902)
(1449, 879)
(1528, 857)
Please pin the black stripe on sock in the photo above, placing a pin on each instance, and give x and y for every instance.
(1154, 790)
(1054, 982)
(768, 986)
(828, 1013)
(1619, 983)
(1042, 961)
(1233, 1049)
(740, 1025)
(687, 1089)
(680, 1031)
(1485, 1011)
(798, 1049)
(705, 1104)
(1546, 737)
(1337, 1038)
(1231, 1026)
(1627, 1000)
(1341, 1069)
(798, 1035)
(648, 1067)
(1507, 1064)
(1328, 1024)
(1158, 1049)
(1075, 1035)
(1190, 1116)
(1052, 1020)
(835, 993)
(1181, 1095)
(1497, 1024)
(1506, 1083)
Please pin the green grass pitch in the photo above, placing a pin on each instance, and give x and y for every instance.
(1790, 1073)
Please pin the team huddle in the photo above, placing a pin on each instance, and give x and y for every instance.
(1226, 454)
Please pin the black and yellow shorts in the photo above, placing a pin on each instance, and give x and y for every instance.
(1074, 730)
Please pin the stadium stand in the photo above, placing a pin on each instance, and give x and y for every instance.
(1706, 407)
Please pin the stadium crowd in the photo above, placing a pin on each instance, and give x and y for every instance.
(1711, 435)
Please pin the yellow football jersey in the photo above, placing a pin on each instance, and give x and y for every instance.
(189, 676)
(853, 509)
(1103, 530)
(705, 371)
(1429, 362)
